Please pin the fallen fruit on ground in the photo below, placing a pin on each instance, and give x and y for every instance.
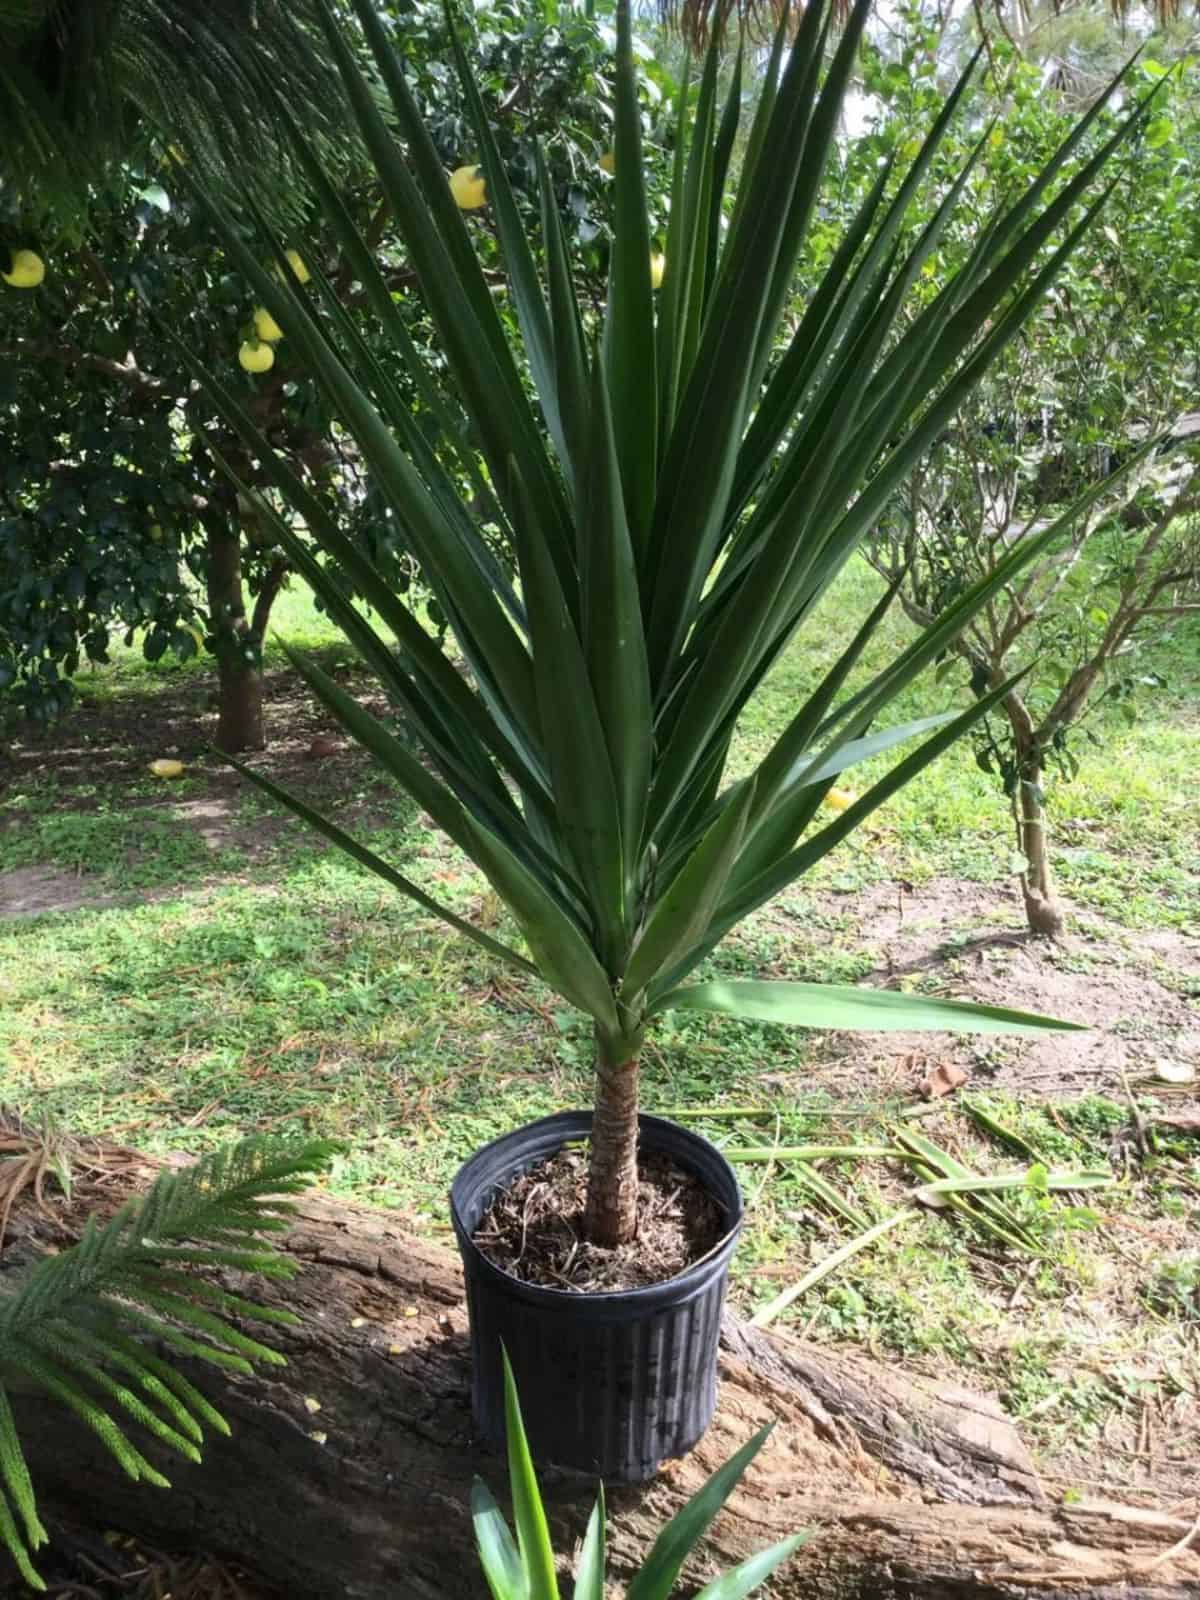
(265, 325)
(840, 799)
(469, 188)
(256, 356)
(26, 270)
(166, 768)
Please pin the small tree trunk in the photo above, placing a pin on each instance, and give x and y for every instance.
(612, 1175)
(1042, 908)
(240, 685)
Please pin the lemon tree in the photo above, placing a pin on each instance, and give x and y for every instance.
(117, 523)
(100, 414)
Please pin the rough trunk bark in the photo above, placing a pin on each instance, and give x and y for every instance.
(1043, 910)
(239, 674)
(349, 1471)
(611, 1217)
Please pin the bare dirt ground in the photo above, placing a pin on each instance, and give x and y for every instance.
(1135, 993)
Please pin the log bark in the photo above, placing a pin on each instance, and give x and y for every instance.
(349, 1472)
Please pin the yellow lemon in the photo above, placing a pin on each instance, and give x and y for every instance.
(840, 799)
(296, 261)
(658, 266)
(26, 270)
(167, 769)
(256, 356)
(469, 188)
(265, 325)
(608, 162)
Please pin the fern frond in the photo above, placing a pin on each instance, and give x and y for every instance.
(149, 1279)
(61, 1352)
(181, 1342)
(48, 1376)
(10, 1538)
(69, 1325)
(15, 1476)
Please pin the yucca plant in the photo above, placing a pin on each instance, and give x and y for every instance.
(75, 1325)
(524, 1568)
(680, 489)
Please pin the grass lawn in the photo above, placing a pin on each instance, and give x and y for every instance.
(202, 967)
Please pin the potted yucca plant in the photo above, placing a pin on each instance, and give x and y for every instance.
(679, 490)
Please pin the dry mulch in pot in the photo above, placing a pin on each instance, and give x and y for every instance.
(533, 1228)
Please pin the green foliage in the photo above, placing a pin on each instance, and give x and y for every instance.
(109, 493)
(74, 1325)
(678, 500)
(80, 84)
(1175, 1290)
(524, 1569)
(1108, 364)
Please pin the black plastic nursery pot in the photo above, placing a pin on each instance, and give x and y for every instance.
(611, 1384)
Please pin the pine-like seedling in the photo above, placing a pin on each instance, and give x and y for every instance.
(77, 1326)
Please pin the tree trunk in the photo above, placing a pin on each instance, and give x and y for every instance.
(349, 1471)
(1043, 910)
(612, 1196)
(1042, 907)
(239, 670)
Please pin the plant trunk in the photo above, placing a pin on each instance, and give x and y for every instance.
(239, 671)
(612, 1174)
(1042, 908)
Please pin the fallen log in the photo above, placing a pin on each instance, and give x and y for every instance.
(349, 1471)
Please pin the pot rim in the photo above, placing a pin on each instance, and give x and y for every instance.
(572, 1125)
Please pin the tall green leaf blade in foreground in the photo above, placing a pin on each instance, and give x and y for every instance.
(744, 1579)
(589, 1576)
(528, 1572)
(533, 1533)
(498, 1555)
(655, 1579)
